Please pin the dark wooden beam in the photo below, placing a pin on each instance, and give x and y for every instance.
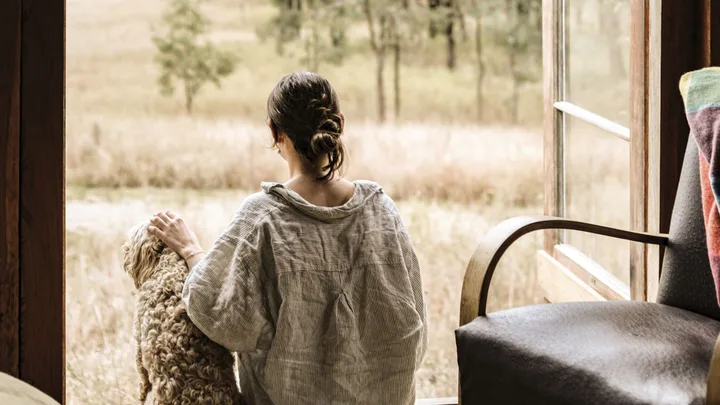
(682, 43)
(9, 185)
(42, 237)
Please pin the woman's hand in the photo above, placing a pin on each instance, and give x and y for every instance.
(175, 233)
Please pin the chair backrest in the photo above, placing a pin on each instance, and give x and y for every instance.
(686, 280)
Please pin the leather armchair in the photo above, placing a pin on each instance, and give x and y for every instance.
(612, 352)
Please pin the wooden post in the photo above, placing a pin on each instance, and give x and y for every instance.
(42, 193)
(553, 90)
(9, 186)
(639, 137)
(32, 151)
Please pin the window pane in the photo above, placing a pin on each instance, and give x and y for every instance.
(597, 179)
(597, 59)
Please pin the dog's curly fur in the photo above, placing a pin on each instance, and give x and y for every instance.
(177, 363)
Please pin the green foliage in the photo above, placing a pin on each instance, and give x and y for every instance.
(284, 27)
(324, 38)
(317, 25)
(185, 57)
(514, 26)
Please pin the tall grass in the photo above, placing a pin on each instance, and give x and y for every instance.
(457, 163)
(452, 184)
(101, 298)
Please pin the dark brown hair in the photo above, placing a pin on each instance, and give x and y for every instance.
(305, 108)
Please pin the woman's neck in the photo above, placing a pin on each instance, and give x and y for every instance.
(298, 170)
(333, 193)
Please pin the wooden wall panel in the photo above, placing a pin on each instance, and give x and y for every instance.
(42, 150)
(9, 185)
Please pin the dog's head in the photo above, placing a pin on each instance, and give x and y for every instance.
(141, 252)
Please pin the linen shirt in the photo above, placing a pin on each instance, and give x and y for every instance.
(324, 305)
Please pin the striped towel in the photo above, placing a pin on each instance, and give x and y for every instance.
(701, 93)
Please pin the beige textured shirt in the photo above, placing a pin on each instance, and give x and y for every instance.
(323, 305)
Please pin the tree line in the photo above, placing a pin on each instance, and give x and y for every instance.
(393, 28)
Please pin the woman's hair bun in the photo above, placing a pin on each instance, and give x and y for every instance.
(305, 108)
(332, 124)
(323, 143)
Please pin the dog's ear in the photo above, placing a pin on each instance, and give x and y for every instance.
(141, 254)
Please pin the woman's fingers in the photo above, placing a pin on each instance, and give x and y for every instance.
(154, 230)
(164, 217)
(158, 222)
(171, 214)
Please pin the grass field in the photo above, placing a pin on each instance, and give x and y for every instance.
(131, 152)
(101, 298)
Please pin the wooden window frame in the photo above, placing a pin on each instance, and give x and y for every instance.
(556, 109)
(657, 124)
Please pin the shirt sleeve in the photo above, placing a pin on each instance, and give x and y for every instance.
(413, 268)
(224, 294)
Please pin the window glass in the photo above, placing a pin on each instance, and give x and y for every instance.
(597, 178)
(597, 35)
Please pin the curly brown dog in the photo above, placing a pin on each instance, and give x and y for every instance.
(177, 363)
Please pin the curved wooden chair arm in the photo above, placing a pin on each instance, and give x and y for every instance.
(713, 386)
(476, 284)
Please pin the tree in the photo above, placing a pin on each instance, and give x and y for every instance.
(316, 26)
(322, 17)
(378, 20)
(392, 25)
(479, 9)
(444, 15)
(341, 14)
(284, 27)
(396, 44)
(185, 57)
(524, 41)
(407, 22)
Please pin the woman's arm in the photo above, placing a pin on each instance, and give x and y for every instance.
(222, 294)
(195, 259)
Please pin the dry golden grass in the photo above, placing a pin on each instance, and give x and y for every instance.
(442, 162)
(483, 175)
(457, 163)
(452, 180)
(100, 297)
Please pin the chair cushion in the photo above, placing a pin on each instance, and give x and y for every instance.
(607, 353)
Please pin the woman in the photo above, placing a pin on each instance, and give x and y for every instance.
(315, 283)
